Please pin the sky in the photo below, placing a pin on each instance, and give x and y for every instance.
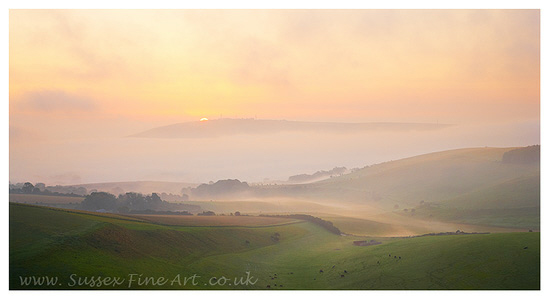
(82, 80)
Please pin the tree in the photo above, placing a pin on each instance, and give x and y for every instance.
(237, 213)
(81, 191)
(27, 188)
(134, 201)
(99, 200)
(155, 198)
(207, 213)
(153, 201)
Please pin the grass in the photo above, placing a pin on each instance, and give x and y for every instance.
(246, 221)
(53, 242)
(431, 177)
(356, 226)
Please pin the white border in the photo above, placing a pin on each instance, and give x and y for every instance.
(285, 4)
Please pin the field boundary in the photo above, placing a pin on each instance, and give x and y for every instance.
(124, 217)
(294, 221)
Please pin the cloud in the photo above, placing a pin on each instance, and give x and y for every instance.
(55, 100)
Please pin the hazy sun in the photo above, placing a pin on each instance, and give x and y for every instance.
(204, 119)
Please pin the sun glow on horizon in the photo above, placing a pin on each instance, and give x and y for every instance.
(204, 119)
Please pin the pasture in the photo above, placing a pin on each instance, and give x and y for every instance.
(70, 245)
(198, 221)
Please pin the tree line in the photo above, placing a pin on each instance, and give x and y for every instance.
(41, 189)
(132, 203)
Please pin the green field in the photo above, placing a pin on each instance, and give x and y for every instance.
(58, 243)
(221, 221)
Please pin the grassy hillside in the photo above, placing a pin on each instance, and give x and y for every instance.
(57, 243)
(466, 179)
(221, 221)
(432, 177)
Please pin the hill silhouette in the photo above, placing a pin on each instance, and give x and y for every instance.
(225, 127)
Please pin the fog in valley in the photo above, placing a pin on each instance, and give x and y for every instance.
(84, 153)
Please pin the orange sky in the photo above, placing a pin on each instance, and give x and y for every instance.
(82, 80)
(451, 66)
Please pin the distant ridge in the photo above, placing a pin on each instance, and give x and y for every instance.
(225, 127)
(145, 187)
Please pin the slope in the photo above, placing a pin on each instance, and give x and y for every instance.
(75, 247)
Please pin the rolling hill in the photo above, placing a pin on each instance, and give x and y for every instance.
(225, 127)
(472, 186)
(144, 187)
(434, 177)
(59, 249)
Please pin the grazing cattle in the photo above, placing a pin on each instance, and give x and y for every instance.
(399, 257)
(395, 257)
(275, 284)
(320, 271)
(333, 266)
(345, 271)
(525, 247)
(341, 276)
(389, 255)
(378, 262)
(268, 286)
(281, 285)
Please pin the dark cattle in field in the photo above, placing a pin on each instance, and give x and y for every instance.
(525, 247)
(320, 271)
(345, 271)
(342, 275)
(268, 286)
